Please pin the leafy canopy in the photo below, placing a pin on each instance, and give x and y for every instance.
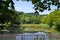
(41, 5)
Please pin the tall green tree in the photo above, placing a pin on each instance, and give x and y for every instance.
(53, 19)
(8, 17)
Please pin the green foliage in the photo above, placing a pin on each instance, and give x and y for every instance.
(29, 18)
(10, 22)
(53, 19)
(41, 5)
(5, 5)
(58, 27)
(9, 16)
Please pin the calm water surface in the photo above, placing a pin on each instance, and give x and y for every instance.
(32, 36)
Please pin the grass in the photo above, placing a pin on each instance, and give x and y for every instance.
(39, 27)
(35, 25)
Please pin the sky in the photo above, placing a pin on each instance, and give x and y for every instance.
(27, 7)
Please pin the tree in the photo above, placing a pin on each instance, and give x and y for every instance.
(6, 5)
(53, 19)
(32, 18)
(8, 17)
(6, 13)
(41, 5)
(7, 10)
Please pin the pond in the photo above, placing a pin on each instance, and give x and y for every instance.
(32, 36)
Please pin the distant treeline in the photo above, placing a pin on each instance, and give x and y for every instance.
(30, 18)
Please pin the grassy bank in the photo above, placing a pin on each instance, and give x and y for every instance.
(39, 27)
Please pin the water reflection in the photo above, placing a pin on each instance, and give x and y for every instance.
(32, 36)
